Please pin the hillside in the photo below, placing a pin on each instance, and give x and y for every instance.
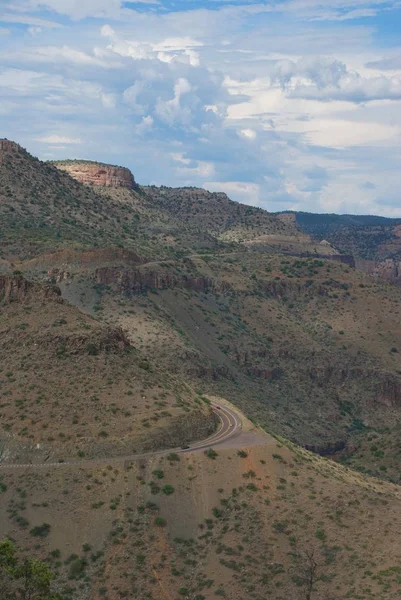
(220, 216)
(72, 387)
(133, 320)
(283, 338)
(260, 521)
(44, 208)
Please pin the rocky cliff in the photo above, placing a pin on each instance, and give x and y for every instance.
(137, 281)
(388, 270)
(98, 174)
(14, 288)
(9, 146)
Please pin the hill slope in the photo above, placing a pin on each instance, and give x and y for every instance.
(72, 387)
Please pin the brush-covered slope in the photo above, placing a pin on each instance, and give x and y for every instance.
(220, 216)
(46, 206)
(43, 208)
(72, 387)
(309, 347)
(267, 521)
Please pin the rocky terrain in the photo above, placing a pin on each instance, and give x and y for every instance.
(124, 311)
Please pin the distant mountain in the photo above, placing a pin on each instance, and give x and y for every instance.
(366, 237)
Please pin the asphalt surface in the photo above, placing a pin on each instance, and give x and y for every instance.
(230, 427)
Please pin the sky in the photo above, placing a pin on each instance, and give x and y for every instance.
(285, 104)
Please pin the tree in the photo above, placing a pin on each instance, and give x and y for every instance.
(29, 579)
(7, 565)
(34, 580)
(306, 571)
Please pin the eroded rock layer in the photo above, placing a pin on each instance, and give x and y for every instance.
(92, 173)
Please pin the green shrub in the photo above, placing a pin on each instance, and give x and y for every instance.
(41, 530)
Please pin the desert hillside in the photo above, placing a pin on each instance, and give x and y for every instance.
(198, 399)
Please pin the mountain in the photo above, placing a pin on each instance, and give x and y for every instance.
(138, 321)
(374, 242)
(44, 208)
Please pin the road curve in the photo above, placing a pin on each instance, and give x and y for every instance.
(230, 427)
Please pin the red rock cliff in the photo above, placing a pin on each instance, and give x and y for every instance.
(92, 173)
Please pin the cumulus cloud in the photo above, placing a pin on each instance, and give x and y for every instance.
(249, 134)
(169, 50)
(171, 111)
(144, 126)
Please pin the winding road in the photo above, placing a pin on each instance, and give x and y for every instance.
(230, 427)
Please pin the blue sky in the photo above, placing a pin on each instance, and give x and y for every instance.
(288, 104)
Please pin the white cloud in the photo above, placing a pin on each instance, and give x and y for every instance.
(59, 139)
(144, 126)
(172, 111)
(247, 193)
(76, 9)
(62, 54)
(26, 19)
(250, 134)
(168, 50)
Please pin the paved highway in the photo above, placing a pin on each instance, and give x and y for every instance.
(230, 427)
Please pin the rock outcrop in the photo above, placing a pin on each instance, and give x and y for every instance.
(98, 174)
(137, 281)
(388, 270)
(9, 146)
(15, 288)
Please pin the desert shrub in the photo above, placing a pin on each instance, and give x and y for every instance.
(41, 530)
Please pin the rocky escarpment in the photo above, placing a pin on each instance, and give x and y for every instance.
(388, 270)
(61, 263)
(137, 281)
(9, 146)
(98, 174)
(15, 288)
